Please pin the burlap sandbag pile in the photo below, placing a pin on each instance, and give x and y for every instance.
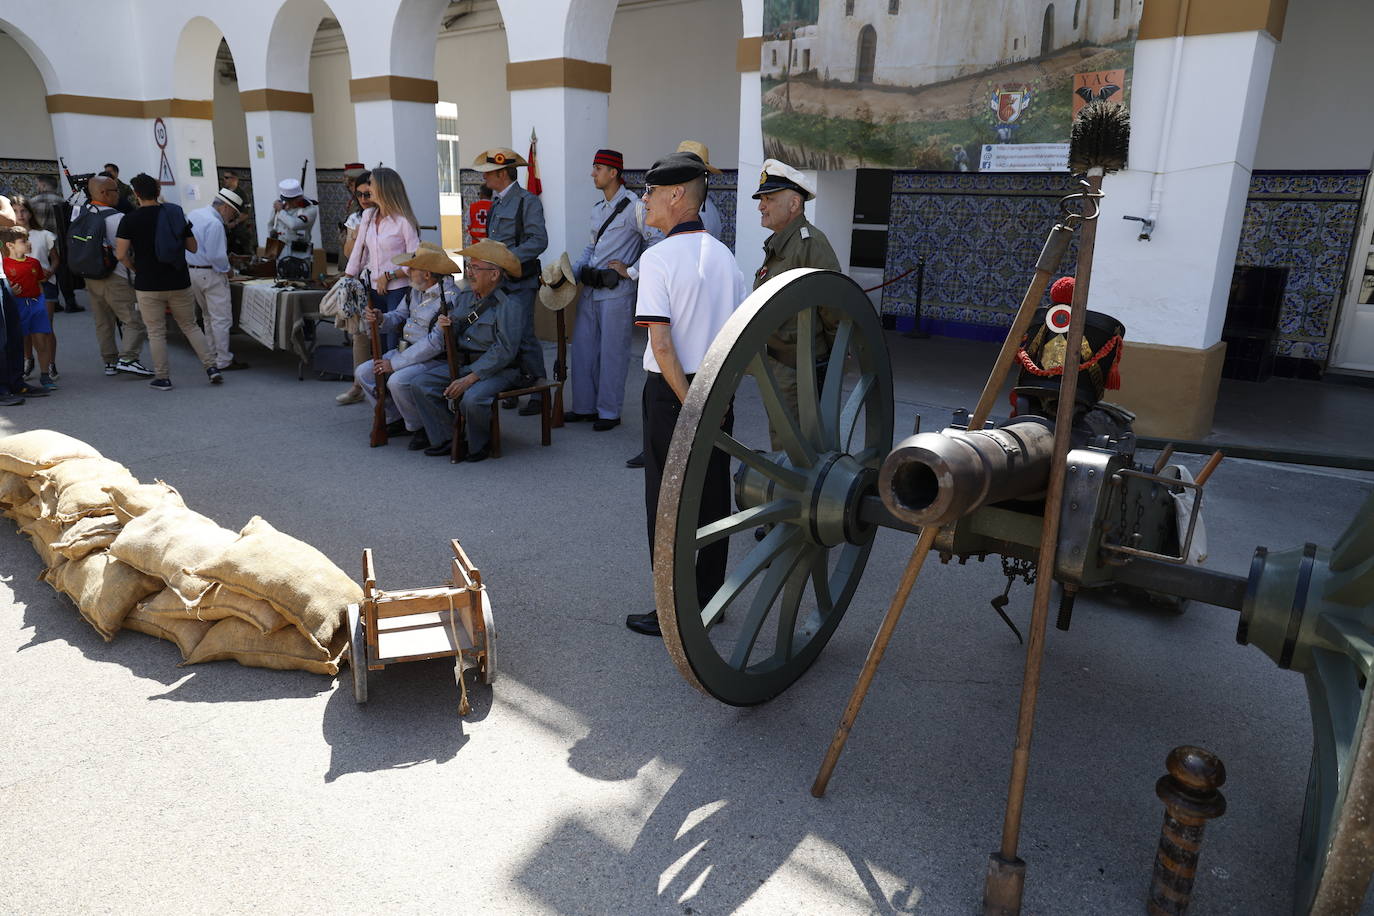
(132, 556)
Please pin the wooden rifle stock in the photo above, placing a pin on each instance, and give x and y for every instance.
(379, 436)
(456, 444)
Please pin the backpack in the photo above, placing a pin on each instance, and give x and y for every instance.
(89, 255)
(169, 239)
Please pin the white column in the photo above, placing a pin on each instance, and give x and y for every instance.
(833, 210)
(278, 142)
(400, 136)
(188, 138)
(1172, 290)
(749, 235)
(571, 124)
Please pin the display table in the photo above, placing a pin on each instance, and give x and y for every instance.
(274, 317)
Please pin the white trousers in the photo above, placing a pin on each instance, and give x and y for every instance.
(400, 401)
(211, 290)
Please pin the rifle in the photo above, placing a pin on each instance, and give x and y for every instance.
(303, 165)
(457, 443)
(78, 183)
(379, 436)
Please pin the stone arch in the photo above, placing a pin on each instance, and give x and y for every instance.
(40, 60)
(193, 64)
(29, 82)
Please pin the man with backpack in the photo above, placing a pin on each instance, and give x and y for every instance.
(109, 285)
(152, 242)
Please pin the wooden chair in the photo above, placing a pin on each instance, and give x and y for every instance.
(551, 402)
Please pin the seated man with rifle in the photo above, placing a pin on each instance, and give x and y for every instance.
(422, 341)
(484, 331)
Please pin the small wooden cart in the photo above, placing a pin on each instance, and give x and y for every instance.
(410, 625)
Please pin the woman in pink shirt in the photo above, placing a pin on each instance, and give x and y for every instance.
(388, 228)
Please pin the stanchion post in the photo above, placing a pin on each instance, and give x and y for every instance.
(1190, 796)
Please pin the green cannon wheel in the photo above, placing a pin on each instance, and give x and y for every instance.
(797, 546)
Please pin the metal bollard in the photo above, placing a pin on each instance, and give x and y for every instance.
(1191, 799)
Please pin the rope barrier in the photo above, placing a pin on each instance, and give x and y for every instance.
(893, 280)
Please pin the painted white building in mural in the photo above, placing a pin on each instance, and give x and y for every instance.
(794, 54)
(921, 42)
(268, 84)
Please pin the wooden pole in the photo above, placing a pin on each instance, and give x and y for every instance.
(1050, 257)
(1002, 890)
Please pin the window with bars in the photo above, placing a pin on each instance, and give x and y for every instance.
(446, 139)
(894, 7)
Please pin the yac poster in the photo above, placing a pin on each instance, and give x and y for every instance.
(942, 85)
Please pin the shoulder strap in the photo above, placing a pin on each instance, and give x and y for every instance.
(478, 311)
(619, 209)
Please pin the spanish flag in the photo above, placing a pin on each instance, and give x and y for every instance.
(532, 182)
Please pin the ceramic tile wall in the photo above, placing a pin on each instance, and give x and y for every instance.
(980, 235)
(1305, 221)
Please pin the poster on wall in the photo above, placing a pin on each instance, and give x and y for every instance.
(938, 85)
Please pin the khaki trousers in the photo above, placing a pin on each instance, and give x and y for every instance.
(211, 291)
(153, 305)
(112, 299)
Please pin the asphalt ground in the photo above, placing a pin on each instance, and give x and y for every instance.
(592, 779)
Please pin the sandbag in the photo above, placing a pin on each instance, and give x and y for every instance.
(168, 603)
(217, 604)
(104, 589)
(14, 490)
(131, 501)
(75, 488)
(254, 610)
(168, 540)
(295, 578)
(287, 649)
(26, 453)
(187, 634)
(43, 533)
(95, 532)
(27, 511)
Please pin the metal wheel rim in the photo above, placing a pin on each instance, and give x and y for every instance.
(835, 416)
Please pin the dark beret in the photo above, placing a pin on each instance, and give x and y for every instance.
(677, 168)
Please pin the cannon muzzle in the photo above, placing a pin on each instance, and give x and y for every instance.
(935, 478)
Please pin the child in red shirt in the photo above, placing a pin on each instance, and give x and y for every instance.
(26, 276)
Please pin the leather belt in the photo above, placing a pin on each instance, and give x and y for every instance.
(201, 266)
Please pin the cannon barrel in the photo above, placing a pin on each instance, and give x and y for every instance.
(935, 478)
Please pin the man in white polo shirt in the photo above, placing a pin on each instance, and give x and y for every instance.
(209, 265)
(689, 285)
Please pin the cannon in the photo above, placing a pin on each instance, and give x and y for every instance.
(806, 516)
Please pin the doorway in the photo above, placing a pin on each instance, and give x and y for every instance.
(868, 53)
(1047, 32)
(1354, 344)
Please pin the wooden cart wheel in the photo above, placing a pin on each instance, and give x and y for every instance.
(357, 659)
(489, 659)
(786, 593)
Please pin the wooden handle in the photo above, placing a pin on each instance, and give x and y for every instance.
(1208, 468)
(1164, 457)
(379, 436)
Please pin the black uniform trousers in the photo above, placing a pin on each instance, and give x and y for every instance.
(11, 345)
(661, 407)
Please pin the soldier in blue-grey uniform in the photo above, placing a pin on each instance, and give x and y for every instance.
(516, 220)
(484, 325)
(605, 310)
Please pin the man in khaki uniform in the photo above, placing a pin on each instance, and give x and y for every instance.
(783, 192)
